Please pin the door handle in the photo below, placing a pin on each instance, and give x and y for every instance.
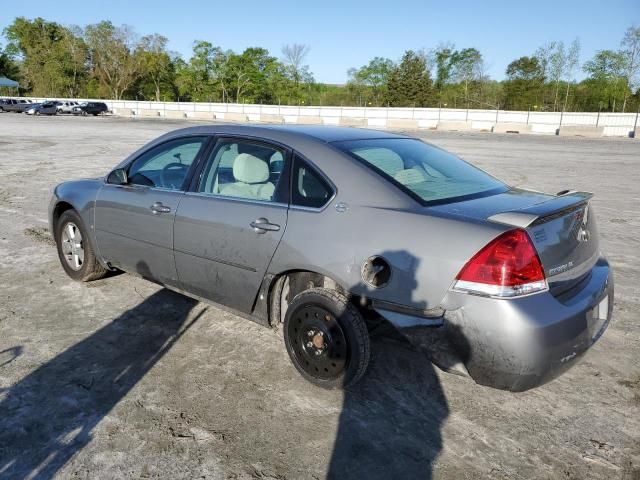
(158, 207)
(262, 225)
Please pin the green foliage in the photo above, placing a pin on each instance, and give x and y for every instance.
(158, 68)
(8, 68)
(116, 60)
(52, 56)
(370, 81)
(108, 61)
(297, 76)
(525, 81)
(606, 76)
(525, 68)
(410, 82)
(201, 78)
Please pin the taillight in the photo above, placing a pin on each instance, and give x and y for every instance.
(507, 267)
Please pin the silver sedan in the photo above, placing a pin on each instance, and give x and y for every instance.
(44, 108)
(322, 232)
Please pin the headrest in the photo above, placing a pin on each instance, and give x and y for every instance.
(411, 176)
(250, 169)
(385, 159)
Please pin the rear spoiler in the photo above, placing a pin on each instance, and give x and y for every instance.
(560, 204)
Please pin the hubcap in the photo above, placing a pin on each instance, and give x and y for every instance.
(72, 246)
(318, 342)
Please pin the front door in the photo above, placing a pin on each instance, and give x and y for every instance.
(227, 230)
(134, 222)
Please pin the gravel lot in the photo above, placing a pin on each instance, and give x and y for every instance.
(123, 379)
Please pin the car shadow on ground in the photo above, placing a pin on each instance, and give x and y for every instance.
(49, 415)
(390, 423)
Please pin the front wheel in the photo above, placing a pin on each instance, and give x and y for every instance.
(74, 249)
(326, 338)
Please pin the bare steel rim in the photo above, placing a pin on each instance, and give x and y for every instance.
(318, 342)
(72, 246)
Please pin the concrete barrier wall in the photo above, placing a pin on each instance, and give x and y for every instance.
(501, 121)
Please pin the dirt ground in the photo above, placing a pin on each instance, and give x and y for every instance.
(122, 379)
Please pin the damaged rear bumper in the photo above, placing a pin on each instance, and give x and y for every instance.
(515, 344)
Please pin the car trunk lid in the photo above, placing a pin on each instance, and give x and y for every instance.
(562, 228)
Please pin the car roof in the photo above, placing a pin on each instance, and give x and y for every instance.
(320, 133)
(327, 133)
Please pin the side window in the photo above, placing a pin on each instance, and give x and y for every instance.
(243, 169)
(309, 189)
(166, 165)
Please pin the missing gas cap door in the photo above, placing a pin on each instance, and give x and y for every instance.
(376, 272)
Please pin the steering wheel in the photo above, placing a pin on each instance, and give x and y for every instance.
(165, 177)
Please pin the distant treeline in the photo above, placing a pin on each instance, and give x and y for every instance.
(107, 61)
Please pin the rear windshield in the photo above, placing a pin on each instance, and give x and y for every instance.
(425, 172)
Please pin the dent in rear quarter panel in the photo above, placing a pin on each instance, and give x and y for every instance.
(425, 252)
(520, 343)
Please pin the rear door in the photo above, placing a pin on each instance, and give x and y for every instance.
(227, 229)
(134, 222)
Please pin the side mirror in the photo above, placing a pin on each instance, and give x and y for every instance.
(118, 177)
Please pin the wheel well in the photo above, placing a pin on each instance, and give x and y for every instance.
(59, 209)
(287, 285)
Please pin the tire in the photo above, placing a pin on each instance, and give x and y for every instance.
(326, 338)
(89, 268)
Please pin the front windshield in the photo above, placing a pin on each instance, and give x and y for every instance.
(427, 173)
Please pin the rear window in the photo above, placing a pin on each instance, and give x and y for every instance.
(427, 173)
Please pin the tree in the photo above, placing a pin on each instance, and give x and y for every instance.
(75, 65)
(249, 74)
(47, 67)
(8, 68)
(444, 66)
(572, 60)
(631, 52)
(373, 76)
(466, 66)
(522, 88)
(410, 82)
(606, 71)
(293, 57)
(157, 64)
(525, 68)
(557, 65)
(113, 52)
(544, 54)
(202, 78)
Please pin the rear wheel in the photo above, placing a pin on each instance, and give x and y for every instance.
(326, 338)
(74, 249)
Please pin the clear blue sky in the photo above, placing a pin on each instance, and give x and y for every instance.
(344, 34)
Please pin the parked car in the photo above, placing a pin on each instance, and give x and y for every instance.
(67, 106)
(45, 108)
(90, 108)
(15, 105)
(313, 229)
